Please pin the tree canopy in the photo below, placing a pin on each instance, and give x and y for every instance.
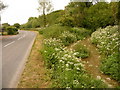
(45, 6)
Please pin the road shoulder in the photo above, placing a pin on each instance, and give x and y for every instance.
(34, 74)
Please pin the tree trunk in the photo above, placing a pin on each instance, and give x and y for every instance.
(44, 16)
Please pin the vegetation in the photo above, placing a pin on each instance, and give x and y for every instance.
(67, 71)
(110, 66)
(2, 6)
(5, 25)
(78, 21)
(17, 25)
(12, 30)
(107, 40)
(35, 74)
(70, 28)
(90, 16)
(34, 22)
(45, 6)
(79, 14)
(66, 34)
(82, 51)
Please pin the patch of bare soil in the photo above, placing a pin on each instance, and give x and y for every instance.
(92, 64)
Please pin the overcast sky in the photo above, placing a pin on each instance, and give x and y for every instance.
(18, 11)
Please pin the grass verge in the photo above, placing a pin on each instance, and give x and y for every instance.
(34, 74)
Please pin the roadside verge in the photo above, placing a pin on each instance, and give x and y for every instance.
(21, 66)
(34, 74)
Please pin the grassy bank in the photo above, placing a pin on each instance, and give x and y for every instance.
(67, 70)
(34, 74)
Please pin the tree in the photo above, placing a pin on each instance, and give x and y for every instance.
(45, 6)
(2, 6)
(74, 13)
(17, 25)
(11, 30)
(114, 10)
(98, 15)
(118, 14)
(4, 26)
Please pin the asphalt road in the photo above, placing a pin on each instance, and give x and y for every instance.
(15, 50)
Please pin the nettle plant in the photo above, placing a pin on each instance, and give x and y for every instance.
(107, 39)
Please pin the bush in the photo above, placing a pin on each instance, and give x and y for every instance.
(82, 51)
(67, 35)
(80, 33)
(67, 71)
(110, 66)
(17, 25)
(68, 38)
(66, 21)
(53, 31)
(107, 40)
(12, 30)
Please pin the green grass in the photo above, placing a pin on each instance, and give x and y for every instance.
(35, 74)
(68, 35)
(107, 40)
(110, 66)
(82, 51)
(67, 70)
(53, 31)
(4, 33)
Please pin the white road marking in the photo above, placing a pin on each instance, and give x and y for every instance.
(21, 37)
(9, 44)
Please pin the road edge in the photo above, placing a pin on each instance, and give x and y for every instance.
(21, 67)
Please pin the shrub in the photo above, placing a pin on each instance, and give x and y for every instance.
(17, 25)
(67, 71)
(68, 38)
(12, 30)
(53, 31)
(67, 35)
(110, 66)
(82, 51)
(80, 32)
(107, 39)
(66, 21)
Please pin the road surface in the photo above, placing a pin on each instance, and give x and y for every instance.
(15, 50)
